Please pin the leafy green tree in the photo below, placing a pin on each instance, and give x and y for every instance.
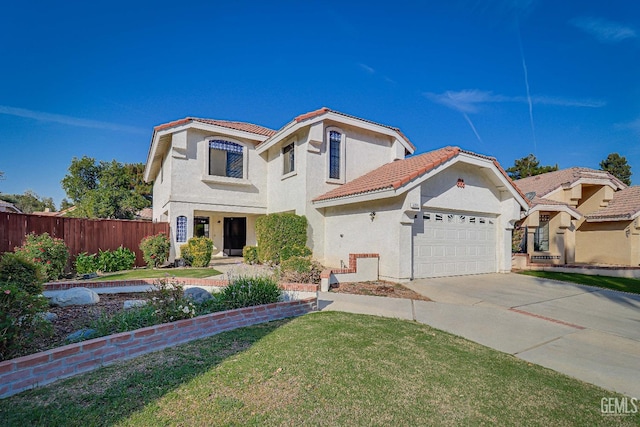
(617, 166)
(528, 166)
(29, 202)
(105, 189)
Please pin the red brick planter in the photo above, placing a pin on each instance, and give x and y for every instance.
(38, 369)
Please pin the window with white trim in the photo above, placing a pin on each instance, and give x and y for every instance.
(288, 157)
(541, 236)
(226, 158)
(181, 229)
(336, 147)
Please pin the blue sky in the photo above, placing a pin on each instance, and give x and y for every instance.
(560, 79)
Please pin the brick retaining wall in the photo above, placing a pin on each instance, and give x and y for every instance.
(60, 286)
(42, 368)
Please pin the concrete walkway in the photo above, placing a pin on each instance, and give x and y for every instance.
(584, 332)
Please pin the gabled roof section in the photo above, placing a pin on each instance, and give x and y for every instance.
(625, 205)
(159, 141)
(327, 113)
(392, 175)
(241, 126)
(546, 183)
(548, 205)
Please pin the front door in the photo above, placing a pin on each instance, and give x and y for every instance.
(235, 236)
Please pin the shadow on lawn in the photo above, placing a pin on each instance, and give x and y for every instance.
(111, 394)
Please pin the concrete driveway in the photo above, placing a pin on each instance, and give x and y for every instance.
(588, 333)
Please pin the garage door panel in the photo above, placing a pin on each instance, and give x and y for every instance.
(448, 244)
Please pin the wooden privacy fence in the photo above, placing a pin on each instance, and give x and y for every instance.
(80, 235)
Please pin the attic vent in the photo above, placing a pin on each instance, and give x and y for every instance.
(530, 195)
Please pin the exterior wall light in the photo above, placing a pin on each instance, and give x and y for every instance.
(372, 215)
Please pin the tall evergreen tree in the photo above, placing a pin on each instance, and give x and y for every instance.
(528, 166)
(617, 166)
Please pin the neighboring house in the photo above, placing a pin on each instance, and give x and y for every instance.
(8, 207)
(581, 216)
(445, 212)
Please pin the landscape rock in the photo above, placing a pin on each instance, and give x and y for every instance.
(49, 316)
(75, 296)
(134, 303)
(80, 335)
(197, 295)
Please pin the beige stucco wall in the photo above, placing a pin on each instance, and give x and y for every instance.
(186, 187)
(349, 229)
(364, 152)
(606, 243)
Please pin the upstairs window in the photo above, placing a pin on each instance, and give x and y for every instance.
(226, 159)
(335, 142)
(288, 154)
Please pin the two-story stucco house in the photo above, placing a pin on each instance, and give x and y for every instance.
(581, 216)
(445, 212)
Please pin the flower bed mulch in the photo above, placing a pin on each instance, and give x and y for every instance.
(378, 288)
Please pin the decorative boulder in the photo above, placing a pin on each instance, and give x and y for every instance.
(75, 296)
(131, 303)
(49, 316)
(197, 295)
(81, 335)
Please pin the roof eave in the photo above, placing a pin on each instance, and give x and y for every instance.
(383, 193)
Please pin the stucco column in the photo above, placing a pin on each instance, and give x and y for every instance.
(560, 242)
(531, 232)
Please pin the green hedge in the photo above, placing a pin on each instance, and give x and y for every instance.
(277, 231)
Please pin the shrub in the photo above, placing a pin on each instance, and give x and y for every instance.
(299, 269)
(246, 291)
(86, 263)
(51, 253)
(276, 231)
(24, 274)
(123, 321)
(155, 249)
(21, 321)
(294, 251)
(185, 254)
(118, 260)
(169, 302)
(250, 254)
(197, 251)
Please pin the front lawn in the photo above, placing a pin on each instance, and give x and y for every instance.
(607, 282)
(327, 369)
(145, 273)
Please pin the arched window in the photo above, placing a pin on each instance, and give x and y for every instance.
(226, 158)
(335, 139)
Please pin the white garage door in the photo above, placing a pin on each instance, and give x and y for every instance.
(452, 243)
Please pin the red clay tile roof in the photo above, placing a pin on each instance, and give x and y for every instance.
(545, 183)
(392, 175)
(625, 205)
(242, 126)
(323, 110)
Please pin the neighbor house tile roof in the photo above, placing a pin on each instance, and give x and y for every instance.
(624, 205)
(323, 110)
(8, 207)
(241, 126)
(392, 175)
(545, 183)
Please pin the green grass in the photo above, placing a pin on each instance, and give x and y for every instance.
(144, 273)
(324, 369)
(607, 282)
